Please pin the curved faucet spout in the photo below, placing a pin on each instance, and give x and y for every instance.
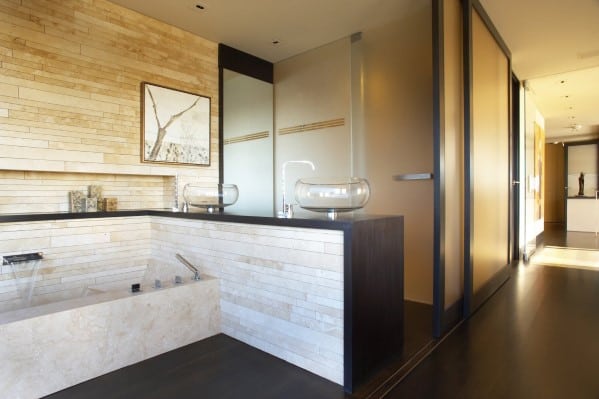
(287, 210)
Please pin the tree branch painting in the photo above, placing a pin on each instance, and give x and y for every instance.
(175, 126)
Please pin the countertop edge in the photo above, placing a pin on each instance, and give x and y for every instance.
(343, 222)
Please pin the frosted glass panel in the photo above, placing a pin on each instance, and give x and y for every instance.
(490, 155)
(312, 102)
(392, 132)
(454, 153)
(248, 141)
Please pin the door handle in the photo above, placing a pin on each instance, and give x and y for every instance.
(413, 176)
(515, 182)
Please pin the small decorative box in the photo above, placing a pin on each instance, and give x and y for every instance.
(75, 201)
(110, 204)
(96, 192)
(89, 204)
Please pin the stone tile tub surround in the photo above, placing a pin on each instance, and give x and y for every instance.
(281, 287)
(44, 354)
(102, 253)
(370, 248)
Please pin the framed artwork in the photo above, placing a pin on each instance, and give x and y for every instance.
(175, 126)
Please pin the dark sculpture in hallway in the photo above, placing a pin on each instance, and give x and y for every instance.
(581, 184)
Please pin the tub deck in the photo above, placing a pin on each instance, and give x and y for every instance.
(87, 337)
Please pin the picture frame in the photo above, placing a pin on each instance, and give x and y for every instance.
(175, 126)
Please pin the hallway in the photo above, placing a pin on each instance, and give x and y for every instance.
(535, 338)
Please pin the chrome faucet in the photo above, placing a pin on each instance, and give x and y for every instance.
(287, 210)
(192, 268)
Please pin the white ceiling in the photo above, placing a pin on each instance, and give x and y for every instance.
(555, 41)
(550, 40)
(252, 25)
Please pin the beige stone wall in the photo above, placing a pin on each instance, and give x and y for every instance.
(81, 254)
(281, 288)
(70, 74)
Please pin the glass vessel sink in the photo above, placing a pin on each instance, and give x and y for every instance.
(210, 197)
(332, 195)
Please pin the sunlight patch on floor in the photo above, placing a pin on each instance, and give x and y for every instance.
(567, 257)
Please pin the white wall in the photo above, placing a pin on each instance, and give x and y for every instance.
(582, 158)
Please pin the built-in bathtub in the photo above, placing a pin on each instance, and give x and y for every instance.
(298, 289)
(50, 347)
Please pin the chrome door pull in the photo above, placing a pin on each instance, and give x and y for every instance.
(413, 176)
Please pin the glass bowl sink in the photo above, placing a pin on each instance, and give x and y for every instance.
(332, 195)
(210, 197)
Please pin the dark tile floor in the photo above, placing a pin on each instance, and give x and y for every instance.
(218, 367)
(221, 367)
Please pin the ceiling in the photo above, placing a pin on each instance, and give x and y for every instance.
(554, 43)
(253, 25)
(555, 49)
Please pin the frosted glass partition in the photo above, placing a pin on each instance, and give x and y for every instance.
(392, 132)
(453, 156)
(248, 141)
(490, 155)
(312, 102)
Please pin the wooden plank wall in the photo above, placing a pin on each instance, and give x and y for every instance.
(70, 74)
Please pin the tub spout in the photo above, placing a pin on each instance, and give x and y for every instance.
(192, 268)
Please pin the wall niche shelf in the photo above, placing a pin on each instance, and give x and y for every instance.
(46, 191)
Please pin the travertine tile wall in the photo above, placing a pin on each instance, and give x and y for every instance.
(281, 288)
(70, 74)
(78, 254)
(45, 354)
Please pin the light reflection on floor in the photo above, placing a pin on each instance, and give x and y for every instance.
(567, 257)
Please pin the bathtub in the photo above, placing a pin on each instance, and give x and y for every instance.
(49, 347)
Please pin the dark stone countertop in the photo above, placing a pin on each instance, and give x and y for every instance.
(317, 220)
